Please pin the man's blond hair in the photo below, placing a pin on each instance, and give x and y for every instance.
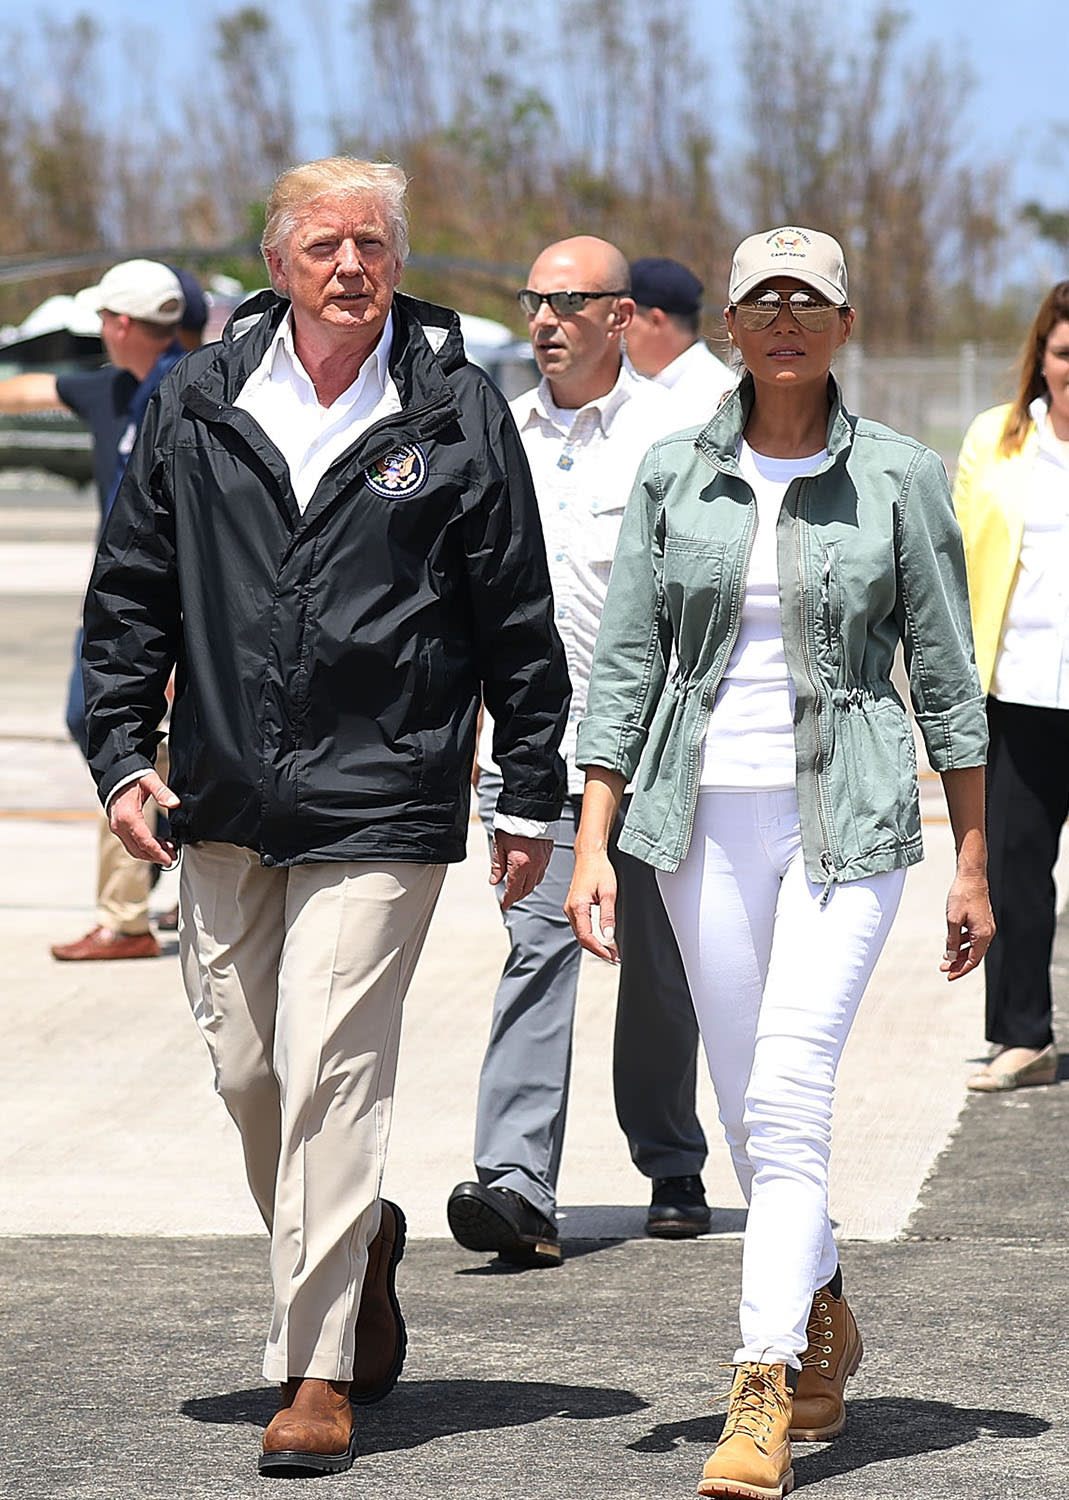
(298, 187)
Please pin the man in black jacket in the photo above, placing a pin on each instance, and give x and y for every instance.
(328, 527)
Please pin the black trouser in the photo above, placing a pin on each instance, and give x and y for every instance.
(1027, 804)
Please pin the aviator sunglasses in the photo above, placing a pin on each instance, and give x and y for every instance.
(808, 312)
(562, 303)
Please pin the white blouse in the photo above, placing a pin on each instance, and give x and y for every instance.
(1032, 665)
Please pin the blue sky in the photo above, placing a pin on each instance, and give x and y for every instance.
(1015, 51)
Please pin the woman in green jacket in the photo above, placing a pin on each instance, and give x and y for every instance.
(1012, 498)
(767, 568)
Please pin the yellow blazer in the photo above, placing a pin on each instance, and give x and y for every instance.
(990, 491)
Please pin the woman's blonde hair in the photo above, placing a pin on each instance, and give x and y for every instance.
(1052, 310)
(296, 188)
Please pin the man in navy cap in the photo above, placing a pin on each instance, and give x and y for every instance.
(195, 316)
(664, 340)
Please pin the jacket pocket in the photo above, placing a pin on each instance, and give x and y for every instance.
(692, 581)
(434, 735)
(875, 740)
(602, 537)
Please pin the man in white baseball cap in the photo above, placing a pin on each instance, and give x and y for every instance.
(143, 289)
(140, 303)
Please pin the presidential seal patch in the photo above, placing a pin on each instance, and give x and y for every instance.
(402, 472)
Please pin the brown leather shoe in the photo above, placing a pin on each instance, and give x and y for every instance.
(381, 1338)
(752, 1460)
(312, 1432)
(102, 942)
(833, 1354)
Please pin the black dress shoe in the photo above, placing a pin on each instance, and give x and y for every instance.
(678, 1210)
(492, 1218)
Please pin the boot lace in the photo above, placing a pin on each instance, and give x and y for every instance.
(756, 1399)
(819, 1333)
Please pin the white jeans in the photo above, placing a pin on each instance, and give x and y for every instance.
(776, 980)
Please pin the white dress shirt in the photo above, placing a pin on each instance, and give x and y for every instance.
(280, 395)
(584, 465)
(698, 382)
(1032, 665)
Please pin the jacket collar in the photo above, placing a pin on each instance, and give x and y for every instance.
(427, 346)
(719, 439)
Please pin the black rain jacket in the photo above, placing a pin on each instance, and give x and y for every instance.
(330, 665)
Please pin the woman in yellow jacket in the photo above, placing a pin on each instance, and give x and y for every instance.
(1012, 500)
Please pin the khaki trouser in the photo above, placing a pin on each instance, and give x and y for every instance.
(123, 882)
(297, 978)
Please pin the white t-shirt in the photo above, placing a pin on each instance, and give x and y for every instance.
(1032, 665)
(749, 741)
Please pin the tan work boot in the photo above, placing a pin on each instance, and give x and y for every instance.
(752, 1460)
(833, 1354)
(312, 1433)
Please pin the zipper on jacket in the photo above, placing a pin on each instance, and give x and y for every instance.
(827, 859)
(831, 603)
(827, 864)
(403, 419)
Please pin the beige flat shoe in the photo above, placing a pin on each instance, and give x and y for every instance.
(992, 1080)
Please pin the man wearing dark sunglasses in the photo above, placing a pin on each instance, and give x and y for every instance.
(584, 428)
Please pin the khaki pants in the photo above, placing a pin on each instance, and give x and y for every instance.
(296, 978)
(123, 882)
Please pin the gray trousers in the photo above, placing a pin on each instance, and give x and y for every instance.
(523, 1088)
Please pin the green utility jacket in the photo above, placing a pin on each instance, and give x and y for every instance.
(869, 553)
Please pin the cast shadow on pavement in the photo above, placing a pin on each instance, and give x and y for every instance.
(592, 1228)
(422, 1410)
(616, 1221)
(880, 1429)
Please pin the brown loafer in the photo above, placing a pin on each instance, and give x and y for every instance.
(381, 1337)
(102, 942)
(312, 1433)
(995, 1080)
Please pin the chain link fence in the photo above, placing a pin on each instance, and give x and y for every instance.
(932, 398)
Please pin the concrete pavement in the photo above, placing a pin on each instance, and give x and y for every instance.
(133, 1273)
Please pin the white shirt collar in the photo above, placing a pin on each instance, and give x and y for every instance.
(544, 408)
(690, 359)
(1037, 410)
(1046, 442)
(282, 348)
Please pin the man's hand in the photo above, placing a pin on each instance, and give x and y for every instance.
(127, 819)
(520, 862)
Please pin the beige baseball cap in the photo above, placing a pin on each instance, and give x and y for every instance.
(806, 254)
(141, 289)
